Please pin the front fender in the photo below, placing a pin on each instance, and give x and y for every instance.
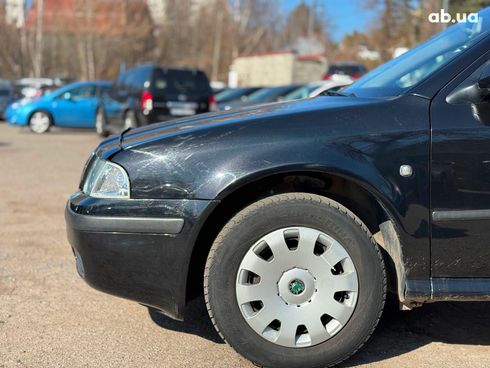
(366, 176)
(20, 116)
(366, 144)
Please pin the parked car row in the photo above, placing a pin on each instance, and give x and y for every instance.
(143, 95)
(139, 96)
(247, 96)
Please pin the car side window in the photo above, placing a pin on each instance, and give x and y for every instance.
(140, 77)
(82, 93)
(121, 80)
(473, 78)
(130, 82)
(104, 91)
(137, 79)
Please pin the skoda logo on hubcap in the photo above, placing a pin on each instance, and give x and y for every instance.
(296, 287)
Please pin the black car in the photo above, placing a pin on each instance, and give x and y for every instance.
(263, 95)
(295, 219)
(147, 94)
(224, 98)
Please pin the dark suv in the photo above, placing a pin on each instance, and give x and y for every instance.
(147, 94)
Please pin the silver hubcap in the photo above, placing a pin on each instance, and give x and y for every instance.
(39, 122)
(297, 287)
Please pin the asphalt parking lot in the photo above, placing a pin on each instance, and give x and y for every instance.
(50, 318)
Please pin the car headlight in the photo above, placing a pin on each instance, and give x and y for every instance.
(106, 180)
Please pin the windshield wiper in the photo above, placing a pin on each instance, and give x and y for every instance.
(121, 136)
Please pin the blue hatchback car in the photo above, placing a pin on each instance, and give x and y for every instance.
(72, 106)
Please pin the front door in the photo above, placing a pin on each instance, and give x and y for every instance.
(460, 174)
(76, 107)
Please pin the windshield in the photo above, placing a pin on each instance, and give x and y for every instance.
(180, 81)
(399, 75)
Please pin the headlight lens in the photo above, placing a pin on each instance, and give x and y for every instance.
(106, 180)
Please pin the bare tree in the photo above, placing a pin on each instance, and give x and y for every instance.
(38, 61)
(90, 39)
(401, 23)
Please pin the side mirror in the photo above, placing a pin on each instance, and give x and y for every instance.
(67, 96)
(467, 95)
(475, 94)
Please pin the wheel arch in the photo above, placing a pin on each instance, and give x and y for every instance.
(359, 197)
(129, 108)
(46, 111)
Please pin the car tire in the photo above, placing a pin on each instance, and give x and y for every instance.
(286, 241)
(101, 124)
(40, 122)
(130, 120)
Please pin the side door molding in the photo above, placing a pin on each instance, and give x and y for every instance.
(463, 215)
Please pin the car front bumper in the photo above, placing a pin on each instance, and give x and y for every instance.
(136, 249)
(16, 117)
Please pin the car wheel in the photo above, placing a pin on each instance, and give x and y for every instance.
(295, 280)
(101, 124)
(40, 122)
(130, 120)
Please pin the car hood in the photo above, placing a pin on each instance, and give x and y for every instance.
(236, 118)
(28, 103)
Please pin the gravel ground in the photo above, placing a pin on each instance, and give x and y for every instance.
(50, 318)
